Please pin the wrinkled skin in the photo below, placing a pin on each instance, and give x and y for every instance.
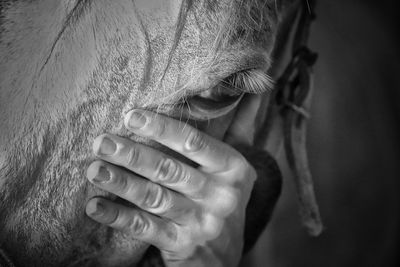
(195, 216)
(69, 73)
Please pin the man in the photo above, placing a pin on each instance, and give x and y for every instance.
(73, 72)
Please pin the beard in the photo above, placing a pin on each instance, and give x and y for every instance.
(45, 190)
(42, 208)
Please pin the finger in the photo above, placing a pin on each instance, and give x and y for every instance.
(146, 195)
(242, 128)
(151, 164)
(210, 153)
(140, 224)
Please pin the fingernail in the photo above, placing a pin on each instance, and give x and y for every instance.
(96, 210)
(107, 147)
(103, 175)
(136, 120)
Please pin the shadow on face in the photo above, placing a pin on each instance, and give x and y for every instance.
(70, 70)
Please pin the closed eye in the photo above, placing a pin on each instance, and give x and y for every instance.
(224, 97)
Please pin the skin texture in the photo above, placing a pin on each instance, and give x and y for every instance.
(193, 215)
(69, 72)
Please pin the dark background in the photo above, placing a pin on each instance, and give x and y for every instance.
(353, 145)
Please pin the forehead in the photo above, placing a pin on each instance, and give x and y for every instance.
(158, 44)
(249, 13)
(225, 20)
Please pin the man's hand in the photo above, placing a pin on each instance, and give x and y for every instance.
(195, 216)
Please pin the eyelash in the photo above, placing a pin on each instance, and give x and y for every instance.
(223, 97)
(253, 81)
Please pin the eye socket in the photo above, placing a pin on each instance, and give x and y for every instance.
(214, 102)
(226, 95)
(223, 91)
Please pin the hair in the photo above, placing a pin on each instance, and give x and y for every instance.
(243, 19)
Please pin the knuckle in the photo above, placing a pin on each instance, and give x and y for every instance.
(229, 201)
(116, 220)
(242, 167)
(189, 237)
(232, 199)
(246, 173)
(120, 183)
(165, 169)
(169, 171)
(212, 229)
(133, 156)
(155, 198)
(195, 141)
(138, 225)
(239, 161)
